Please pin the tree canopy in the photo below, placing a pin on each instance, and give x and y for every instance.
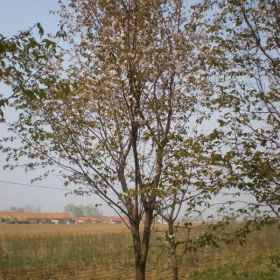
(244, 52)
(111, 107)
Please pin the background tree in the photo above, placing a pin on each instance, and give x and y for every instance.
(189, 175)
(242, 61)
(25, 208)
(244, 54)
(82, 210)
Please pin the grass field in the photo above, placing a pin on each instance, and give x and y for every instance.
(104, 252)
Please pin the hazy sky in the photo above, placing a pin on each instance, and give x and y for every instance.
(18, 15)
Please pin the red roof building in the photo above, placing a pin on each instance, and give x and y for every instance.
(56, 218)
(30, 217)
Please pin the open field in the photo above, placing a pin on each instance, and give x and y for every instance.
(104, 252)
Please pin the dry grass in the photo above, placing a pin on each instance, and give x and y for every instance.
(33, 229)
(104, 252)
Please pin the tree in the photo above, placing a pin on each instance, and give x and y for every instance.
(91, 210)
(191, 186)
(242, 59)
(113, 104)
(81, 210)
(244, 53)
(26, 208)
(74, 210)
(194, 198)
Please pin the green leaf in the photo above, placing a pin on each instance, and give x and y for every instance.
(48, 43)
(40, 28)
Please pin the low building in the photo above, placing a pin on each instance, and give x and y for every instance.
(114, 219)
(34, 218)
(100, 220)
(88, 220)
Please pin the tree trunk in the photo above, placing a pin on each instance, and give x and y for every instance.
(175, 268)
(140, 271)
(141, 248)
(173, 255)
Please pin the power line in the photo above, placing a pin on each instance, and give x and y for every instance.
(35, 186)
(46, 187)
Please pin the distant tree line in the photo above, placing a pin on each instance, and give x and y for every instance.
(82, 210)
(25, 208)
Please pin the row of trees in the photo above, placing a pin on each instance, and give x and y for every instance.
(82, 210)
(153, 108)
(25, 208)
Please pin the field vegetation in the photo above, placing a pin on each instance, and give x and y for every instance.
(105, 252)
